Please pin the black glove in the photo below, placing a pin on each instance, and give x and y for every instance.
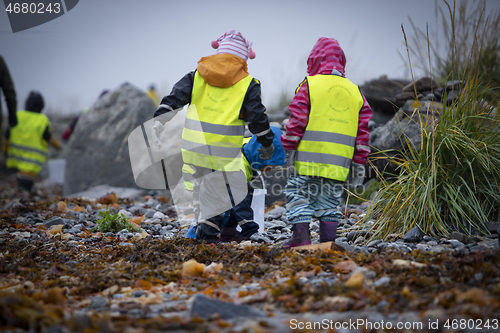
(12, 119)
(266, 153)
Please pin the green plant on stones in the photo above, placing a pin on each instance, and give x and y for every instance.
(452, 182)
(114, 222)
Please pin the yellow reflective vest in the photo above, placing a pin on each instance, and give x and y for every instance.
(213, 133)
(188, 171)
(27, 149)
(327, 146)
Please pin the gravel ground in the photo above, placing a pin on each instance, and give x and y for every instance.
(59, 273)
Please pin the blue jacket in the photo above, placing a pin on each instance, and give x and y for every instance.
(252, 155)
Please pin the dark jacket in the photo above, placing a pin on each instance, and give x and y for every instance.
(252, 110)
(7, 87)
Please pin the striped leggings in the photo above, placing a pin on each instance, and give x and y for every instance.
(308, 197)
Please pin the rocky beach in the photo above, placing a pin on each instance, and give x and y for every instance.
(59, 273)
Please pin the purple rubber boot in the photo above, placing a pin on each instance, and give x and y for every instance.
(300, 236)
(327, 231)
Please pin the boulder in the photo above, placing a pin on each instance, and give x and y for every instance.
(426, 89)
(97, 150)
(404, 123)
(153, 162)
(401, 130)
(423, 84)
(380, 94)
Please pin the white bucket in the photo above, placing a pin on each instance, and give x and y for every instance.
(258, 207)
(56, 170)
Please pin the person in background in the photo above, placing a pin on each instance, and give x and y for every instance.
(7, 87)
(27, 142)
(327, 135)
(151, 92)
(222, 97)
(71, 126)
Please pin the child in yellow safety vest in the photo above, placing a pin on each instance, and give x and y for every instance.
(327, 135)
(27, 143)
(222, 98)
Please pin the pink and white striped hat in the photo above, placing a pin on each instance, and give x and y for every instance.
(233, 42)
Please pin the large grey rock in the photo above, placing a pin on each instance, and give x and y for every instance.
(404, 124)
(422, 88)
(422, 84)
(97, 151)
(380, 94)
(399, 132)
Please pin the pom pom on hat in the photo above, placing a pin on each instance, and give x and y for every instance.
(233, 42)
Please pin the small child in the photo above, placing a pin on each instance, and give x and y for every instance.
(222, 97)
(327, 135)
(27, 142)
(242, 214)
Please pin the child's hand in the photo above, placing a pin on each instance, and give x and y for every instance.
(156, 132)
(266, 153)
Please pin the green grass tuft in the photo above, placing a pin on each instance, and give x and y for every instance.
(114, 222)
(452, 181)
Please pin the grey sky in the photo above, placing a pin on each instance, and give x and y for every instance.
(103, 43)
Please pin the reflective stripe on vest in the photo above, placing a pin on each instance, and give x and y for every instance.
(188, 171)
(187, 177)
(213, 133)
(187, 174)
(327, 146)
(27, 149)
(247, 168)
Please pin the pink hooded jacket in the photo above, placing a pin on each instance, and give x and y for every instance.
(326, 57)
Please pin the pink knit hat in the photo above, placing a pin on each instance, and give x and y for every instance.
(233, 42)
